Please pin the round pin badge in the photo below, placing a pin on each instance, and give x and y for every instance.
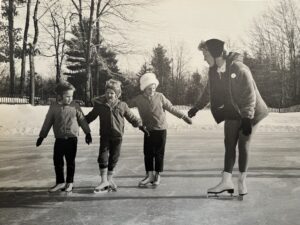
(233, 75)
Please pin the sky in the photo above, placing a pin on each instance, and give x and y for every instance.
(175, 22)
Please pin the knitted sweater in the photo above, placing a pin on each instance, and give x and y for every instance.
(65, 120)
(152, 110)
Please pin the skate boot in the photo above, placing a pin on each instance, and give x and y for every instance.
(68, 188)
(57, 187)
(148, 179)
(111, 182)
(104, 185)
(156, 179)
(242, 188)
(226, 184)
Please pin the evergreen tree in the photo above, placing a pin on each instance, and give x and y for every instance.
(76, 64)
(195, 88)
(161, 67)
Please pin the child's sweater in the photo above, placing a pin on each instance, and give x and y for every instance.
(152, 110)
(65, 120)
(112, 117)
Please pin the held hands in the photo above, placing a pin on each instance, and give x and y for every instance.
(144, 130)
(88, 138)
(187, 120)
(246, 126)
(192, 112)
(39, 141)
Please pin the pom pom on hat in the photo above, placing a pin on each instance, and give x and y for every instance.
(114, 85)
(147, 79)
(214, 46)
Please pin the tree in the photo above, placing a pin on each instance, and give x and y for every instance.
(179, 72)
(145, 69)
(32, 52)
(76, 66)
(107, 11)
(276, 44)
(57, 28)
(194, 88)
(161, 67)
(9, 11)
(24, 49)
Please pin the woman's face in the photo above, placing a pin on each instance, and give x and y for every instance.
(208, 58)
(150, 90)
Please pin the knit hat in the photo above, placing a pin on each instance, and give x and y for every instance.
(114, 85)
(214, 46)
(147, 79)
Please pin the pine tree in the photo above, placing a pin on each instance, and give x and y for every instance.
(161, 67)
(76, 64)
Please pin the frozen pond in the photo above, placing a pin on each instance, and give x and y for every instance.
(194, 160)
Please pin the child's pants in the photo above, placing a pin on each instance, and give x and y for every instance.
(64, 148)
(109, 152)
(154, 149)
(233, 137)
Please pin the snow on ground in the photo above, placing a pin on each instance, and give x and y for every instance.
(27, 120)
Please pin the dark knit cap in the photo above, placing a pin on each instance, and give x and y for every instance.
(215, 47)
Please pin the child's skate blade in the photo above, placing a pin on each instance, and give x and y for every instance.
(230, 191)
(103, 190)
(113, 189)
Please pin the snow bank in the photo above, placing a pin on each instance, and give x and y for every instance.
(27, 120)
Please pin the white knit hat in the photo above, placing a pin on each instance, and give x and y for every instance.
(147, 79)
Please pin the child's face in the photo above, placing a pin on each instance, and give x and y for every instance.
(110, 95)
(67, 97)
(150, 90)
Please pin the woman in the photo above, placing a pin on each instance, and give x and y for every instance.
(235, 99)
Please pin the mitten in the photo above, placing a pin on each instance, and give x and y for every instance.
(192, 112)
(246, 126)
(187, 120)
(144, 130)
(39, 141)
(88, 138)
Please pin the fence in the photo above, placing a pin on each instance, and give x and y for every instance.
(37, 100)
(49, 100)
(15, 99)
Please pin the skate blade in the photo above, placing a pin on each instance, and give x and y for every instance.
(113, 189)
(225, 197)
(147, 186)
(103, 190)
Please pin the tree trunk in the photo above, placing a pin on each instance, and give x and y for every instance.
(58, 76)
(32, 75)
(32, 54)
(11, 46)
(88, 90)
(98, 48)
(23, 63)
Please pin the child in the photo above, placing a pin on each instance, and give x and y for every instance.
(65, 116)
(151, 106)
(111, 112)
